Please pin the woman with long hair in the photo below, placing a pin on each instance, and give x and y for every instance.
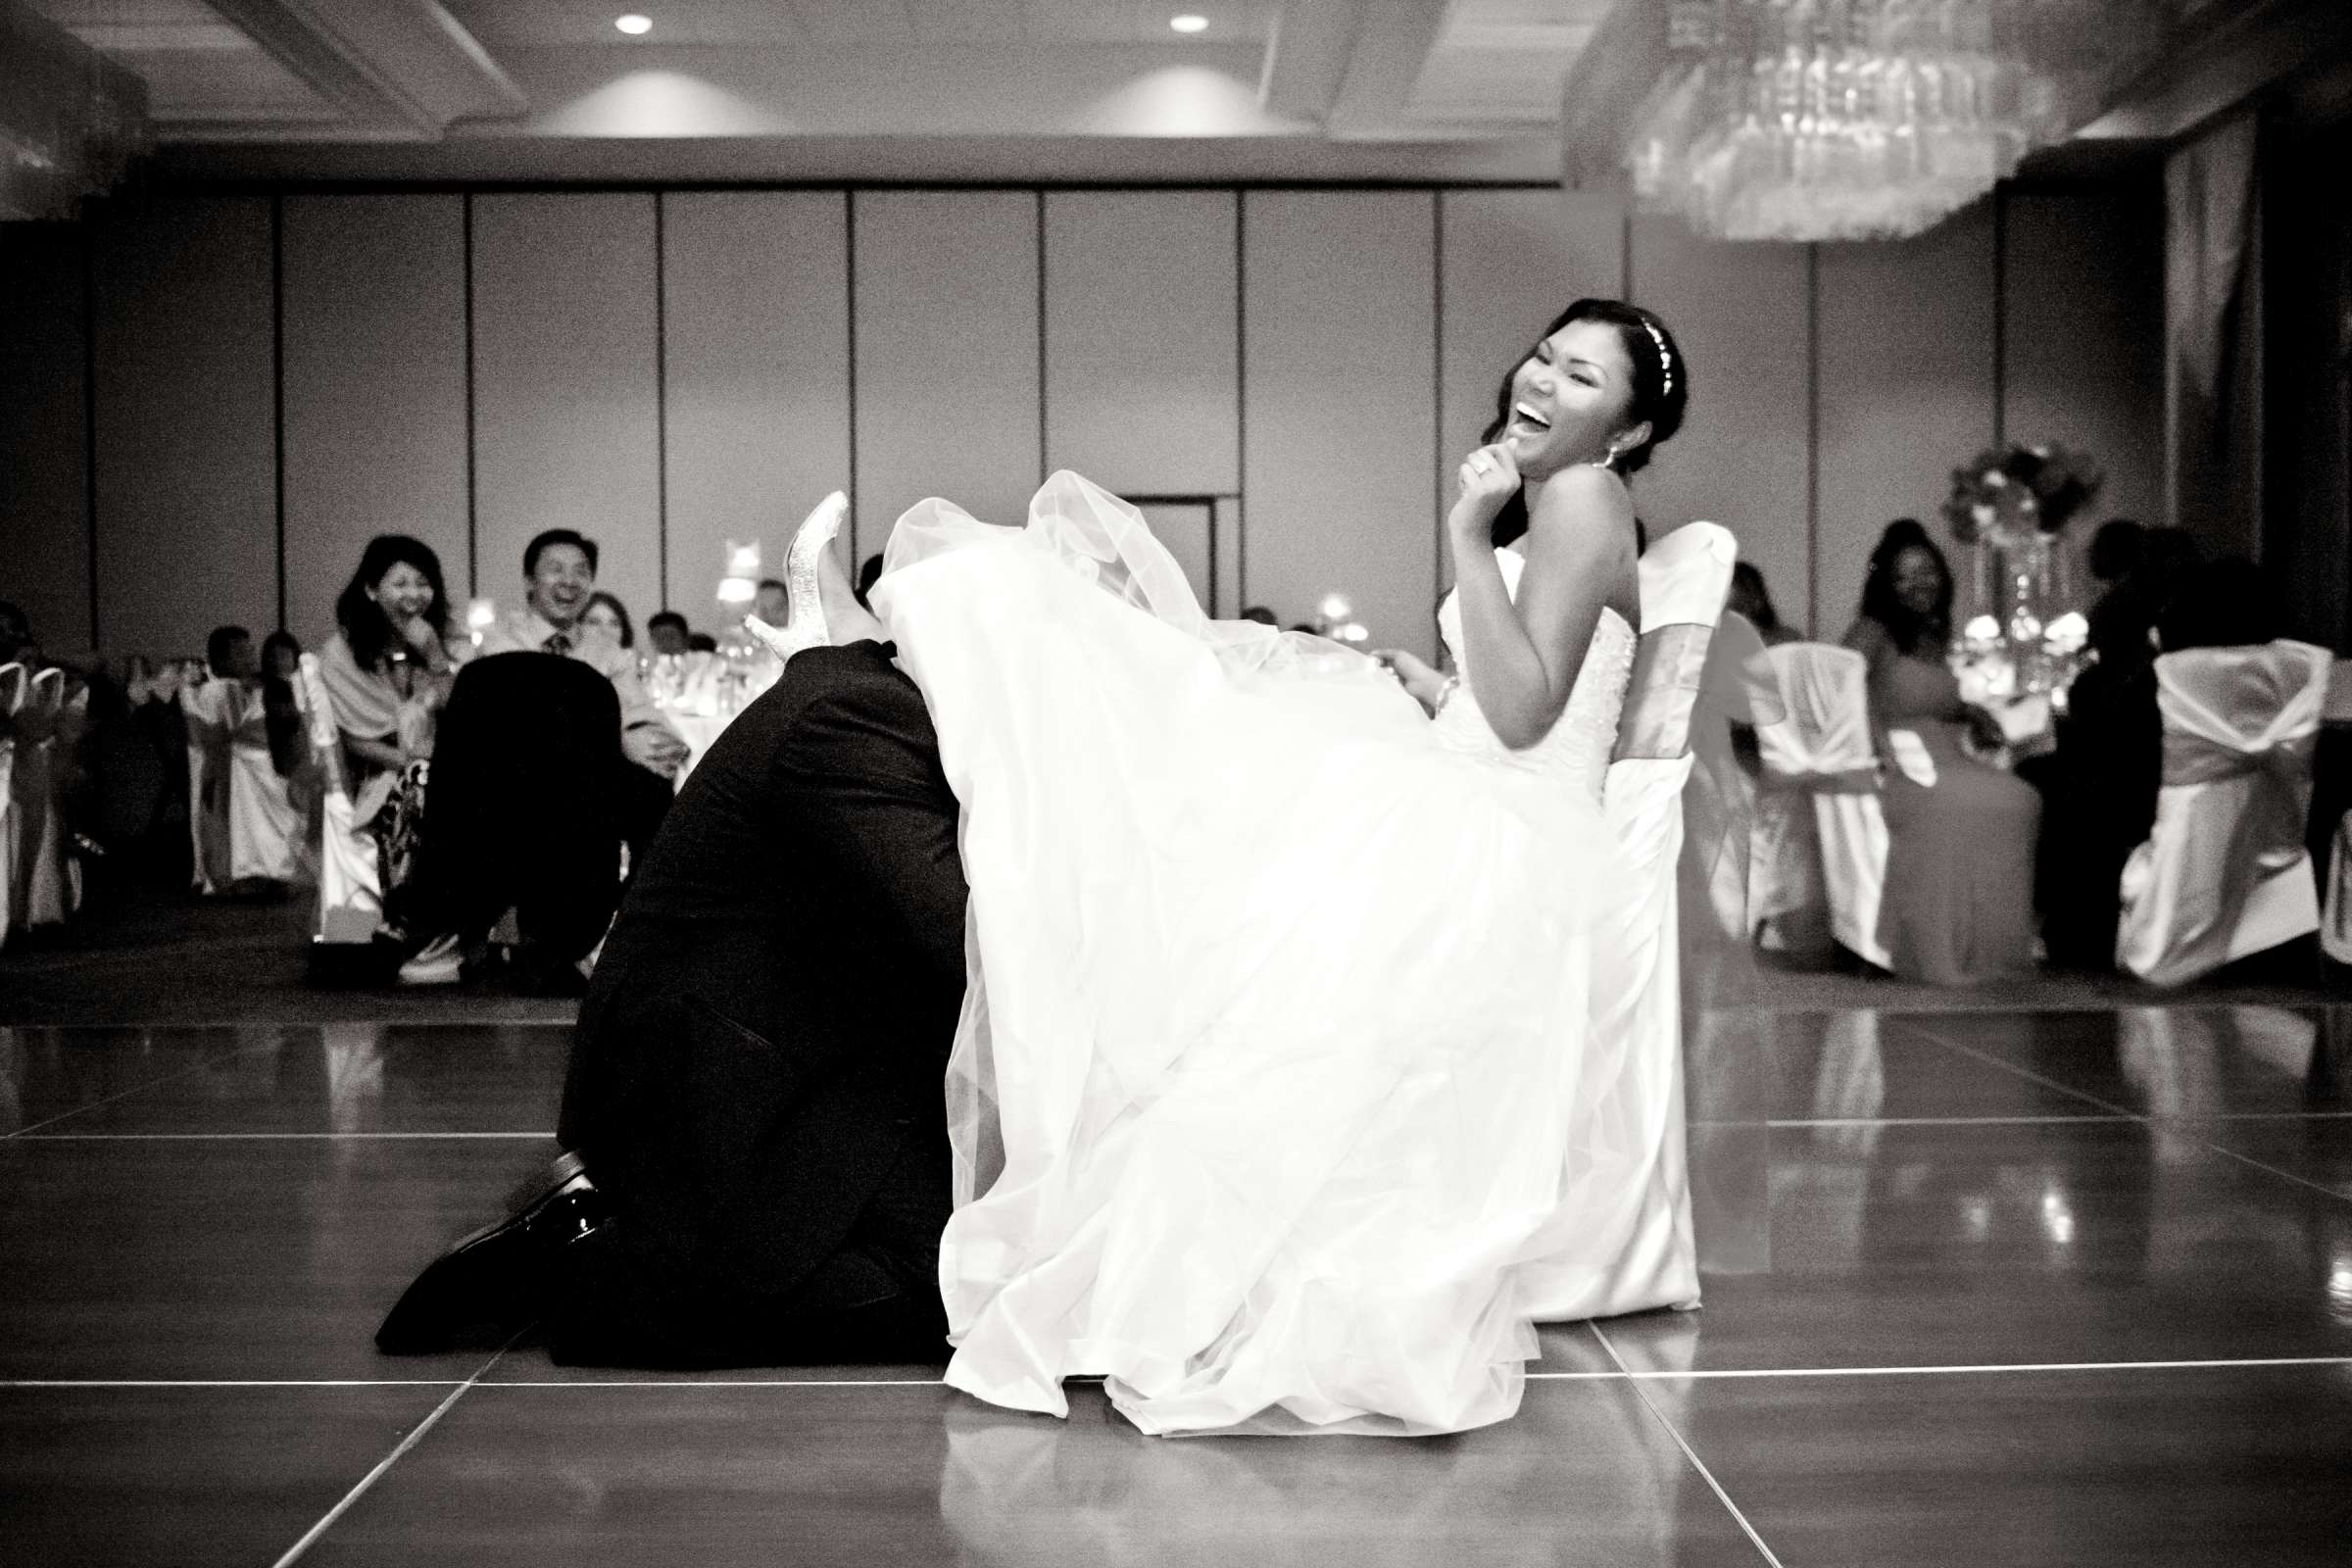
(1959, 902)
(387, 671)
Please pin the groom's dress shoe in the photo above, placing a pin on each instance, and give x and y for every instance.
(491, 1283)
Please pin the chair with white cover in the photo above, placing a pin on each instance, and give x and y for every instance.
(350, 890)
(1823, 757)
(41, 895)
(211, 708)
(265, 829)
(14, 679)
(2225, 872)
(1684, 579)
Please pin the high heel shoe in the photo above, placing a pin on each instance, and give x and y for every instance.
(806, 627)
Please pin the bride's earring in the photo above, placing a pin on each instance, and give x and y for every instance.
(1609, 463)
(807, 628)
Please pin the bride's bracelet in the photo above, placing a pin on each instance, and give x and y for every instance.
(1444, 695)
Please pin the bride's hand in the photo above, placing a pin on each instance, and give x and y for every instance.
(1419, 680)
(1490, 478)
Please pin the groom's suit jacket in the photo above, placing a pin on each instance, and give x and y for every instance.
(763, 1045)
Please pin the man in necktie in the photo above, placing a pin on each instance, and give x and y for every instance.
(559, 573)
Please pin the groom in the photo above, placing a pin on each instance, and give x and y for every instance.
(757, 1166)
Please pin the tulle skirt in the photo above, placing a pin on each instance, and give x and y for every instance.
(1286, 1095)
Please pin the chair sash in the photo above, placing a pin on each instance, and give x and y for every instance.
(1824, 752)
(2224, 871)
(350, 886)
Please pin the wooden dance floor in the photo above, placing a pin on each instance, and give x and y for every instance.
(2058, 1287)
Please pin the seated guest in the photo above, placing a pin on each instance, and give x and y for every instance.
(608, 616)
(2225, 608)
(868, 574)
(1751, 599)
(16, 644)
(702, 642)
(1959, 902)
(666, 631)
(280, 678)
(559, 569)
(1261, 615)
(492, 790)
(265, 838)
(2118, 550)
(2098, 782)
(387, 671)
(214, 707)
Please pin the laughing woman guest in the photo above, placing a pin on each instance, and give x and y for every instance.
(387, 670)
(1959, 903)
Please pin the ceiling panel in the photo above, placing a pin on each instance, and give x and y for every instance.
(198, 69)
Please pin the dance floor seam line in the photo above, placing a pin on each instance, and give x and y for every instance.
(211, 1061)
(2174, 1123)
(1628, 1375)
(1689, 1454)
(410, 1439)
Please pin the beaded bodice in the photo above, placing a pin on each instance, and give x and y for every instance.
(1577, 749)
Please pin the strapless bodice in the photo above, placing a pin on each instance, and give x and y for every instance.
(1577, 749)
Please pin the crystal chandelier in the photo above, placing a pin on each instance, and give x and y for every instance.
(1816, 120)
(71, 121)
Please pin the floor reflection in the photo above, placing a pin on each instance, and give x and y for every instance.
(1583, 1474)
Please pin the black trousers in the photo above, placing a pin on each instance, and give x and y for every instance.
(529, 803)
(621, 1302)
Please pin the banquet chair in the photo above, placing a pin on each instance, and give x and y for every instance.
(12, 820)
(1823, 756)
(40, 894)
(2225, 872)
(264, 827)
(1684, 578)
(349, 891)
(211, 709)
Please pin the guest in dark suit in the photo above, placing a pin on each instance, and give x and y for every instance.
(755, 1107)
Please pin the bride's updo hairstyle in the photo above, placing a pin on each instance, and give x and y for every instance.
(1661, 391)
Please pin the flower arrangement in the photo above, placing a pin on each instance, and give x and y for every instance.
(2007, 496)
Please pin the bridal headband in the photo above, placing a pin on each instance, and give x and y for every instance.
(1665, 354)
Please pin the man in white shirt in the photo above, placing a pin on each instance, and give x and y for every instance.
(558, 571)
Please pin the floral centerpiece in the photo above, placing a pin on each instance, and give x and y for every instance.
(2022, 632)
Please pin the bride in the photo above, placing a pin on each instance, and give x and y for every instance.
(1291, 1085)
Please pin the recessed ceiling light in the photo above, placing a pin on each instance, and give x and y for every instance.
(1189, 22)
(633, 23)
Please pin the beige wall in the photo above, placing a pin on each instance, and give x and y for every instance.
(671, 371)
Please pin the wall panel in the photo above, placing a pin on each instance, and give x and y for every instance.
(2082, 338)
(186, 441)
(756, 348)
(44, 456)
(1739, 313)
(565, 386)
(1143, 362)
(1907, 395)
(374, 301)
(1513, 261)
(947, 324)
(1339, 381)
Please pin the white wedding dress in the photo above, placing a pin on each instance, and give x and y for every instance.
(1288, 1092)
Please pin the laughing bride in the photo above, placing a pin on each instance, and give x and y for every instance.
(1293, 1085)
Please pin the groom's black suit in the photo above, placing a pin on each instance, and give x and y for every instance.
(755, 1082)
